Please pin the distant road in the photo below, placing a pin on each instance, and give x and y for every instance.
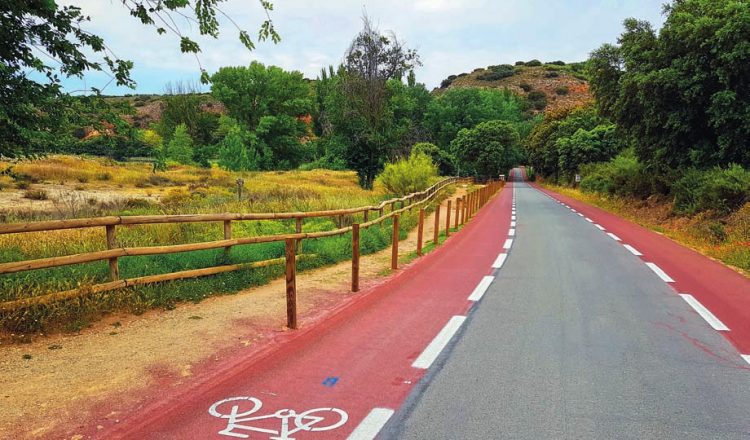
(538, 320)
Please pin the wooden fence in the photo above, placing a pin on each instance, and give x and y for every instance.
(465, 208)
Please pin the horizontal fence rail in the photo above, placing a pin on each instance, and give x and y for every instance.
(465, 208)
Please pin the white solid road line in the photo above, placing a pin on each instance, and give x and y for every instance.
(437, 345)
(508, 243)
(746, 357)
(482, 287)
(499, 261)
(511, 232)
(706, 314)
(371, 425)
(613, 236)
(657, 270)
(601, 228)
(589, 220)
(632, 250)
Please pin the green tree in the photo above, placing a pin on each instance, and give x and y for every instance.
(459, 108)
(682, 95)
(360, 109)
(269, 102)
(542, 143)
(180, 148)
(235, 152)
(42, 41)
(487, 150)
(599, 144)
(445, 161)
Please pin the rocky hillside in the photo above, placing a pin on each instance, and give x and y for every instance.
(547, 86)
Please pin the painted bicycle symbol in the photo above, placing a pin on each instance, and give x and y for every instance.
(312, 420)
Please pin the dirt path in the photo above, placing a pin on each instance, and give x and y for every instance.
(67, 376)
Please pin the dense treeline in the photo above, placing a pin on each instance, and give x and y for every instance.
(671, 112)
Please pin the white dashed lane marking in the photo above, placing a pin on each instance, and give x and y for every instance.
(437, 345)
(482, 287)
(508, 243)
(371, 425)
(657, 270)
(632, 250)
(601, 228)
(706, 314)
(498, 263)
(613, 236)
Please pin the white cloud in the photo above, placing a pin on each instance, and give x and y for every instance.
(452, 36)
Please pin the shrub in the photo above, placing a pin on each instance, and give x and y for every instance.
(445, 83)
(534, 63)
(622, 176)
(23, 184)
(721, 190)
(526, 87)
(551, 74)
(520, 63)
(494, 73)
(562, 90)
(537, 99)
(35, 194)
(557, 63)
(180, 148)
(408, 175)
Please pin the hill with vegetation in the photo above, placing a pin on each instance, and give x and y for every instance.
(547, 86)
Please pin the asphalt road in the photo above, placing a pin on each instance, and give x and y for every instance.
(577, 338)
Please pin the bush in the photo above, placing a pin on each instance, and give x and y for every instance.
(497, 72)
(537, 99)
(562, 90)
(721, 190)
(534, 63)
(408, 175)
(557, 63)
(551, 74)
(526, 87)
(520, 63)
(35, 194)
(622, 176)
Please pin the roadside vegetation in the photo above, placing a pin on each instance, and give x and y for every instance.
(666, 140)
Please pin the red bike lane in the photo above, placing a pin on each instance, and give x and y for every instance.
(724, 292)
(357, 360)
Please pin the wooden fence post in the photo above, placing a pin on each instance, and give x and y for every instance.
(420, 231)
(394, 243)
(298, 229)
(227, 235)
(448, 220)
(463, 209)
(365, 216)
(291, 284)
(355, 257)
(436, 232)
(114, 268)
(458, 209)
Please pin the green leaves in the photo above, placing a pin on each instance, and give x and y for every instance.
(681, 96)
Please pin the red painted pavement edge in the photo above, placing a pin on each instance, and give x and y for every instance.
(367, 345)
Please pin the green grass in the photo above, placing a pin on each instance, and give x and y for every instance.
(78, 313)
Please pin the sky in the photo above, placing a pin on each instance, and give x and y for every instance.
(451, 36)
